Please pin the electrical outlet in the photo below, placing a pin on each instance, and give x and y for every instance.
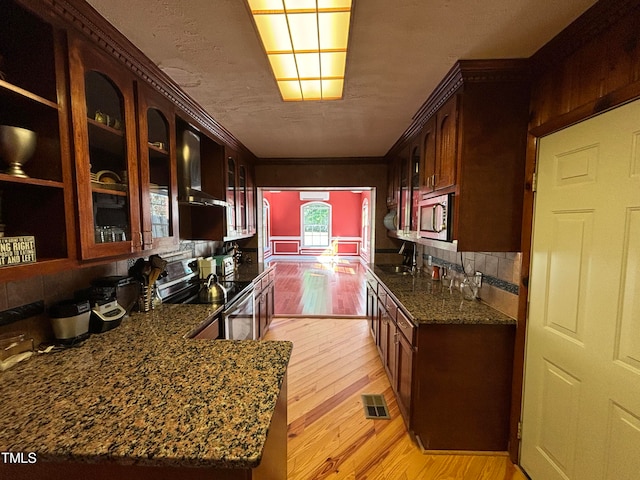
(479, 279)
(429, 260)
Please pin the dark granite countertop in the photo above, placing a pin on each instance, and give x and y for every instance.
(427, 302)
(248, 272)
(143, 394)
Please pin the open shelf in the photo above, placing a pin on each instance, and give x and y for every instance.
(30, 181)
(97, 188)
(7, 87)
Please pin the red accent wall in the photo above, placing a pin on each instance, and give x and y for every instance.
(285, 213)
(346, 208)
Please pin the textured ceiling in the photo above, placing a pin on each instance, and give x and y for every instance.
(396, 58)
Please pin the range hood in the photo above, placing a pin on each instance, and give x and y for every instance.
(190, 173)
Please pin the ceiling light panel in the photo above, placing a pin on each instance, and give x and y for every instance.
(306, 44)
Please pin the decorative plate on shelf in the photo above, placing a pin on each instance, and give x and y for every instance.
(107, 176)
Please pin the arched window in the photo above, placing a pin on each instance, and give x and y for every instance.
(316, 223)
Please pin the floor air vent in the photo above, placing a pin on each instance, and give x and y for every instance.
(375, 407)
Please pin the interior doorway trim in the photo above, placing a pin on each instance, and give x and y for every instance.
(355, 189)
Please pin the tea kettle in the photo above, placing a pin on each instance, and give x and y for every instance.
(212, 291)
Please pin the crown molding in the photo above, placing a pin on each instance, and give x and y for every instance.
(464, 72)
(85, 20)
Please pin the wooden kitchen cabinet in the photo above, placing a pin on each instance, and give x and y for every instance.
(264, 301)
(158, 170)
(227, 176)
(396, 350)
(439, 148)
(106, 148)
(452, 382)
(240, 195)
(372, 308)
(32, 97)
(404, 358)
(473, 132)
(461, 387)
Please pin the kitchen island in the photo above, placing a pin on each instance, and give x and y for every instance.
(144, 401)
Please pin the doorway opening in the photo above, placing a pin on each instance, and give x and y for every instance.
(319, 224)
(318, 239)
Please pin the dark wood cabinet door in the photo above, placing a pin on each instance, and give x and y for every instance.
(231, 169)
(384, 321)
(428, 167)
(241, 199)
(106, 148)
(446, 144)
(158, 170)
(269, 297)
(372, 311)
(404, 374)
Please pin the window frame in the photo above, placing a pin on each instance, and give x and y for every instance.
(305, 205)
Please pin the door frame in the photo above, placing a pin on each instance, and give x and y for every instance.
(372, 214)
(535, 133)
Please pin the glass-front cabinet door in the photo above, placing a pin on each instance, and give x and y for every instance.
(241, 208)
(104, 126)
(158, 184)
(231, 193)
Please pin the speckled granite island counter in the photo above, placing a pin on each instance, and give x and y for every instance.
(143, 401)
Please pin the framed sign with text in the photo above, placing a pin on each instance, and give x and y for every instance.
(17, 250)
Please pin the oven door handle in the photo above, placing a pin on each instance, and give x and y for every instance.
(234, 306)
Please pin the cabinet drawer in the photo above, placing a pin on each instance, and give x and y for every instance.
(382, 296)
(391, 306)
(406, 326)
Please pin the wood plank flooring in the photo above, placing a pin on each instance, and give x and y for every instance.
(319, 288)
(334, 361)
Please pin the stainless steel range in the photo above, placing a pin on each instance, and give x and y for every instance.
(182, 284)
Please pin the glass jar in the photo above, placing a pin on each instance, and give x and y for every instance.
(469, 289)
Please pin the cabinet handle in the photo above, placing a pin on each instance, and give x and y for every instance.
(395, 338)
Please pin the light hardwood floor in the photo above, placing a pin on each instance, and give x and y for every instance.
(334, 361)
(320, 288)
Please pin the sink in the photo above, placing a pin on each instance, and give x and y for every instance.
(397, 269)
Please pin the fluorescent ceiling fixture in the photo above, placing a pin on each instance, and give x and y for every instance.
(306, 44)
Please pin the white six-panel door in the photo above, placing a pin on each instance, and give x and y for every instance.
(581, 411)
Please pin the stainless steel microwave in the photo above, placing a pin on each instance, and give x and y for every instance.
(435, 215)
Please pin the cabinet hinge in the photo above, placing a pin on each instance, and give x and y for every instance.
(534, 182)
(519, 431)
